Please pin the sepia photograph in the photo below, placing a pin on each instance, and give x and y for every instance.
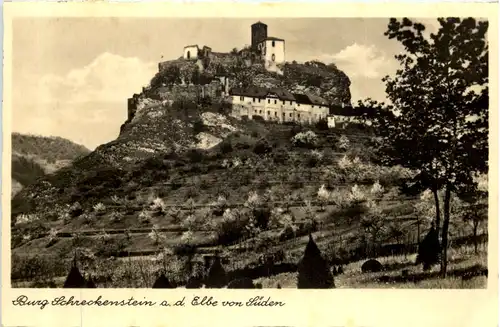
(250, 153)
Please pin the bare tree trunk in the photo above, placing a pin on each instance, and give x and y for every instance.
(438, 209)
(476, 224)
(446, 223)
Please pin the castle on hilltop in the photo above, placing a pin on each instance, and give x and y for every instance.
(247, 102)
(271, 50)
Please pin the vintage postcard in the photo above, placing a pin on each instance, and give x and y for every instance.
(336, 164)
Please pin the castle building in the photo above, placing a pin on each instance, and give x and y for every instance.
(271, 49)
(278, 105)
(193, 52)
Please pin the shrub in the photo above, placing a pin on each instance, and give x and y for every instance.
(144, 217)
(219, 206)
(184, 250)
(116, 216)
(231, 228)
(37, 266)
(162, 282)
(195, 155)
(429, 249)
(75, 210)
(262, 147)
(75, 279)
(371, 265)
(26, 218)
(175, 214)
(216, 276)
(99, 208)
(198, 126)
(313, 270)
(226, 147)
(158, 205)
(343, 143)
(305, 139)
(377, 190)
(281, 156)
(111, 246)
(314, 158)
(322, 125)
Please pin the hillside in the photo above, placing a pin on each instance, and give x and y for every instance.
(184, 179)
(34, 156)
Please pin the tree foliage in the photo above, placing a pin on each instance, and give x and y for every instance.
(437, 122)
(313, 269)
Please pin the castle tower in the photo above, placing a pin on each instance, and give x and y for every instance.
(259, 33)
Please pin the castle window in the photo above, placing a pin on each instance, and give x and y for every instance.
(273, 44)
(273, 57)
(275, 113)
(274, 101)
(260, 111)
(189, 54)
(313, 106)
(298, 104)
(253, 99)
(298, 115)
(242, 98)
(268, 101)
(290, 102)
(290, 114)
(259, 100)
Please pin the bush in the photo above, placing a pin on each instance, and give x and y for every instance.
(305, 139)
(313, 270)
(231, 228)
(371, 265)
(343, 143)
(36, 267)
(322, 125)
(258, 118)
(281, 156)
(262, 147)
(226, 147)
(216, 276)
(195, 155)
(198, 126)
(429, 250)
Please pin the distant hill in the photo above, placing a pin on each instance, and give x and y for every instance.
(34, 156)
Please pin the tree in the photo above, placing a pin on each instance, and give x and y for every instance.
(437, 122)
(476, 212)
(313, 269)
(216, 276)
(429, 249)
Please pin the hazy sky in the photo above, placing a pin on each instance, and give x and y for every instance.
(72, 76)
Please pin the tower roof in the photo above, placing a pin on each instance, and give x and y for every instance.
(259, 23)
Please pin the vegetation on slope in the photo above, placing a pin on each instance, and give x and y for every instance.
(34, 156)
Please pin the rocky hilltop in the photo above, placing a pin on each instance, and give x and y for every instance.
(169, 136)
(313, 77)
